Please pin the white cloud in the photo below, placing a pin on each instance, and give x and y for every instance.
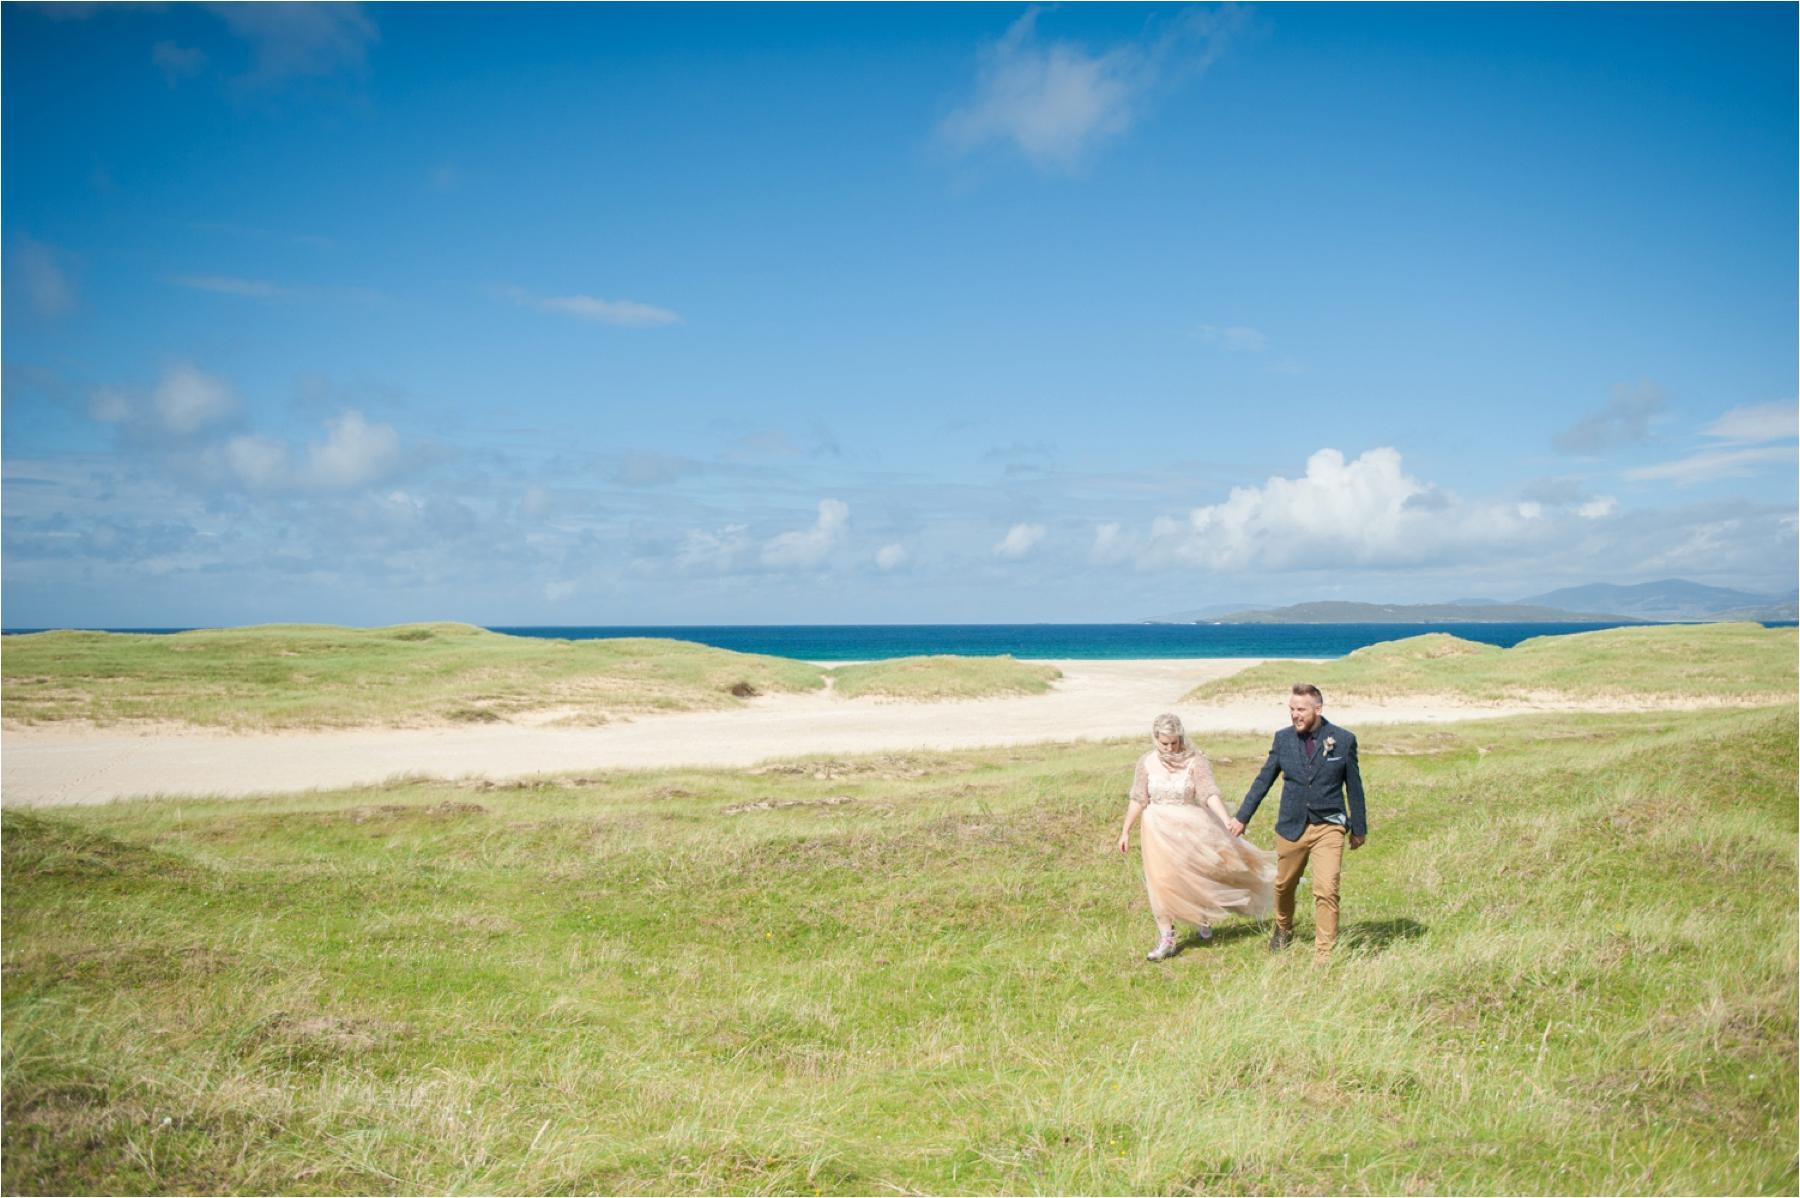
(225, 285)
(1109, 543)
(713, 551)
(1762, 422)
(1712, 463)
(627, 314)
(891, 557)
(1056, 101)
(1235, 337)
(353, 454)
(48, 287)
(1565, 494)
(301, 40)
(187, 402)
(808, 547)
(1019, 540)
(397, 510)
(260, 463)
(1624, 422)
(1366, 512)
(557, 591)
(1737, 450)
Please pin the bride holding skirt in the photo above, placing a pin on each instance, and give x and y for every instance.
(1195, 870)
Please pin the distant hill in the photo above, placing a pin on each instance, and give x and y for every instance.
(1787, 609)
(1669, 599)
(1333, 612)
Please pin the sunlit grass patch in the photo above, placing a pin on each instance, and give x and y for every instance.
(1567, 965)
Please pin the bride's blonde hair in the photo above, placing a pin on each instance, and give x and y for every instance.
(1169, 724)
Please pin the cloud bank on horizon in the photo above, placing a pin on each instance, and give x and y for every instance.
(834, 315)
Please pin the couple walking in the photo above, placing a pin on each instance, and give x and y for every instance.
(1197, 865)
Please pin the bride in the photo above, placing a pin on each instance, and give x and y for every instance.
(1195, 870)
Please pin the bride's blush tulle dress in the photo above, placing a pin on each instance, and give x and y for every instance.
(1194, 869)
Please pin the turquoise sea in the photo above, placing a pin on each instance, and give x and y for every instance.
(861, 642)
(864, 642)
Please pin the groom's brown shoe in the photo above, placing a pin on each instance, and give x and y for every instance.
(1279, 939)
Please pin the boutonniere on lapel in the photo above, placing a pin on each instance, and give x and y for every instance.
(1330, 743)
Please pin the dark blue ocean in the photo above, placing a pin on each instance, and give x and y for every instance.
(860, 642)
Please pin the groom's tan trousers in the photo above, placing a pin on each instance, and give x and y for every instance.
(1324, 845)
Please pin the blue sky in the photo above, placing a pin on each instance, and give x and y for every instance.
(616, 314)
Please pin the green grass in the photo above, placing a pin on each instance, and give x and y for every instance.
(1724, 663)
(299, 676)
(942, 677)
(1568, 966)
(280, 676)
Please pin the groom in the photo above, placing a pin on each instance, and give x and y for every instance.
(1318, 761)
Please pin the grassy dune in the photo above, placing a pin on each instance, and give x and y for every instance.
(1727, 663)
(942, 677)
(1568, 966)
(320, 676)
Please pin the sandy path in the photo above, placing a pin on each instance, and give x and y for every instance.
(1095, 700)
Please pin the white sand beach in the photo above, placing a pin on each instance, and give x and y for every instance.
(1095, 700)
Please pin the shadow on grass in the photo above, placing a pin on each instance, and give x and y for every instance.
(1227, 933)
(1373, 935)
(1368, 936)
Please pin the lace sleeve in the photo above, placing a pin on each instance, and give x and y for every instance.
(1140, 784)
(1204, 786)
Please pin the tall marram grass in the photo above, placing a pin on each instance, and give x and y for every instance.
(1568, 965)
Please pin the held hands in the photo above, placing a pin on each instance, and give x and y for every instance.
(1235, 827)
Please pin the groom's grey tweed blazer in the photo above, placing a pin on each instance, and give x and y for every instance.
(1315, 785)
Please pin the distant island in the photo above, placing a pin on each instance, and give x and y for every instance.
(1674, 599)
(1334, 612)
(1668, 601)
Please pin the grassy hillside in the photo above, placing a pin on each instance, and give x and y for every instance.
(298, 676)
(1735, 663)
(1568, 965)
(322, 676)
(941, 677)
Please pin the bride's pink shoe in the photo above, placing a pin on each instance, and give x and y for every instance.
(1164, 949)
(1205, 931)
